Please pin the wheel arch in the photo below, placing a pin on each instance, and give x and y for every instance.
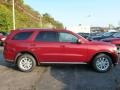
(107, 53)
(25, 52)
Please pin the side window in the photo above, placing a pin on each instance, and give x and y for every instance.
(22, 36)
(66, 37)
(116, 35)
(47, 36)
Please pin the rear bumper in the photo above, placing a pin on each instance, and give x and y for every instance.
(9, 61)
(9, 56)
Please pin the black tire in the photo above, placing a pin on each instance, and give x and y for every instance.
(99, 66)
(30, 61)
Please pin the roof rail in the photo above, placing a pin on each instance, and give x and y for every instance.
(35, 28)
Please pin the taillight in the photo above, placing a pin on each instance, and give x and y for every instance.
(3, 39)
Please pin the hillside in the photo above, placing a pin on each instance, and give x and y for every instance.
(26, 17)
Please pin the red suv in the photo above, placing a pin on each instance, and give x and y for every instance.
(28, 47)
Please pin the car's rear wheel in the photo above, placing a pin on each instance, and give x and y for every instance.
(102, 63)
(26, 62)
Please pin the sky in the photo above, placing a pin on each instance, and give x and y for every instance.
(85, 12)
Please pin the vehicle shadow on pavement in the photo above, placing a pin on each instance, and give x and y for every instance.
(83, 77)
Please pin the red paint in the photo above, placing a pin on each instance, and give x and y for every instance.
(56, 51)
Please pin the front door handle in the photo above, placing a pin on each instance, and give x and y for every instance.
(33, 44)
(62, 46)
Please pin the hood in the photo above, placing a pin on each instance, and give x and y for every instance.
(103, 46)
(100, 43)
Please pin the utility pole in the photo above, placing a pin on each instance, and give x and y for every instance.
(41, 21)
(13, 13)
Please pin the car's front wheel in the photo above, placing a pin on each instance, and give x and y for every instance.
(26, 62)
(102, 63)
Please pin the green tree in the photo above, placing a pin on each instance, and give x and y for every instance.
(26, 17)
(5, 19)
(47, 19)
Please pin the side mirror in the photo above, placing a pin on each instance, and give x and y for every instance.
(79, 41)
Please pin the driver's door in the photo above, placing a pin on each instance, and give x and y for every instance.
(73, 51)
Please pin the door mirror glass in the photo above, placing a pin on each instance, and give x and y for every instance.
(79, 41)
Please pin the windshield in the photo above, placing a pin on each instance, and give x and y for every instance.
(106, 34)
(116, 35)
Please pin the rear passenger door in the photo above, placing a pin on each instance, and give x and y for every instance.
(47, 46)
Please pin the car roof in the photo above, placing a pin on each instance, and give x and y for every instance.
(39, 29)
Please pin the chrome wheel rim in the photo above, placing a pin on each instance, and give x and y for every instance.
(26, 63)
(102, 63)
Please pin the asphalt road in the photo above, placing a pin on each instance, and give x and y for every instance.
(57, 77)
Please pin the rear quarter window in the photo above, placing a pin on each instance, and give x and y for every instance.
(22, 36)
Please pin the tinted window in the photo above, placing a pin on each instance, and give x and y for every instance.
(66, 37)
(106, 34)
(48, 36)
(117, 35)
(22, 36)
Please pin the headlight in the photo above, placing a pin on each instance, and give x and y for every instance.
(115, 49)
(118, 48)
